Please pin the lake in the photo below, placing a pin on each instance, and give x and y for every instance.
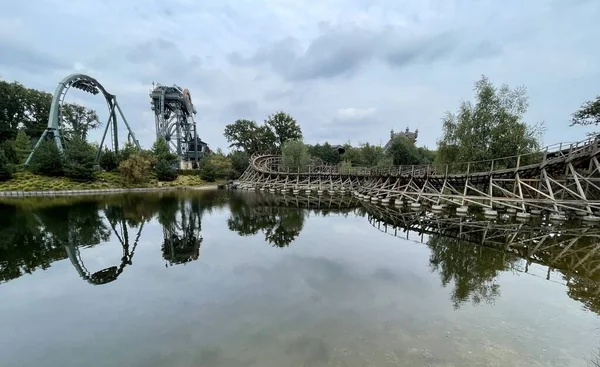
(226, 278)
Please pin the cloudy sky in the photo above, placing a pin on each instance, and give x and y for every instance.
(347, 70)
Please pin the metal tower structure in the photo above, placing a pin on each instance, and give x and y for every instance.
(174, 115)
(89, 85)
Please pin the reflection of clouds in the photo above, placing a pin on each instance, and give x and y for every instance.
(348, 228)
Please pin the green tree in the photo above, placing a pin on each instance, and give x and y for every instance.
(8, 146)
(79, 160)
(249, 137)
(295, 155)
(240, 161)
(22, 146)
(108, 160)
(371, 154)
(160, 149)
(127, 151)
(47, 160)
(77, 121)
(12, 109)
(325, 153)
(587, 114)
(402, 151)
(5, 167)
(216, 166)
(165, 160)
(491, 127)
(284, 127)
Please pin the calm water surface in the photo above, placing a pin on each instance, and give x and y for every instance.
(241, 279)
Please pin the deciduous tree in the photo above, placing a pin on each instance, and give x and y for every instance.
(5, 167)
(295, 155)
(490, 127)
(587, 114)
(284, 127)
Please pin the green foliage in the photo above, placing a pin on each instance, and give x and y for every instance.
(47, 160)
(240, 161)
(127, 151)
(21, 106)
(248, 136)
(491, 127)
(284, 128)
(371, 154)
(136, 169)
(5, 167)
(165, 171)
(165, 161)
(588, 114)
(325, 153)
(22, 146)
(402, 151)
(295, 155)
(108, 160)
(160, 149)
(216, 166)
(77, 121)
(79, 160)
(8, 147)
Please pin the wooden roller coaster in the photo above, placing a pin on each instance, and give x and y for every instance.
(563, 178)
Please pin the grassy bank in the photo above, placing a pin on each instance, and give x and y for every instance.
(27, 181)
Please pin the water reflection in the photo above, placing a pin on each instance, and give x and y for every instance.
(467, 253)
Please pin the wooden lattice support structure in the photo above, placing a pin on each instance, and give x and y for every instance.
(561, 178)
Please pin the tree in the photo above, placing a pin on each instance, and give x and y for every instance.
(22, 146)
(108, 160)
(8, 146)
(5, 167)
(77, 121)
(165, 160)
(79, 160)
(127, 151)
(325, 153)
(165, 171)
(491, 127)
(249, 137)
(47, 160)
(240, 161)
(12, 109)
(295, 155)
(284, 128)
(160, 149)
(402, 151)
(214, 167)
(588, 113)
(371, 154)
(136, 169)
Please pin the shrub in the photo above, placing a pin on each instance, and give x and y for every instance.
(127, 151)
(136, 169)
(8, 147)
(165, 171)
(22, 146)
(79, 160)
(48, 160)
(239, 162)
(109, 161)
(5, 167)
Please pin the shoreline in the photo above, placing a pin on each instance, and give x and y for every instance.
(53, 193)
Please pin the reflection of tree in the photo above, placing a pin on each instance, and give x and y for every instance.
(473, 269)
(585, 291)
(280, 225)
(31, 240)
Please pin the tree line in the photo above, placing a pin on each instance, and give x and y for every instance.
(490, 127)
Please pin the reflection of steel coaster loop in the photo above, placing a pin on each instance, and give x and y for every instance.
(105, 275)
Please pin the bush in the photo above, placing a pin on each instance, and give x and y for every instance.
(8, 147)
(127, 151)
(79, 160)
(109, 161)
(47, 160)
(165, 171)
(239, 162)
(208, 172)
(5, 167)
(136, 169)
